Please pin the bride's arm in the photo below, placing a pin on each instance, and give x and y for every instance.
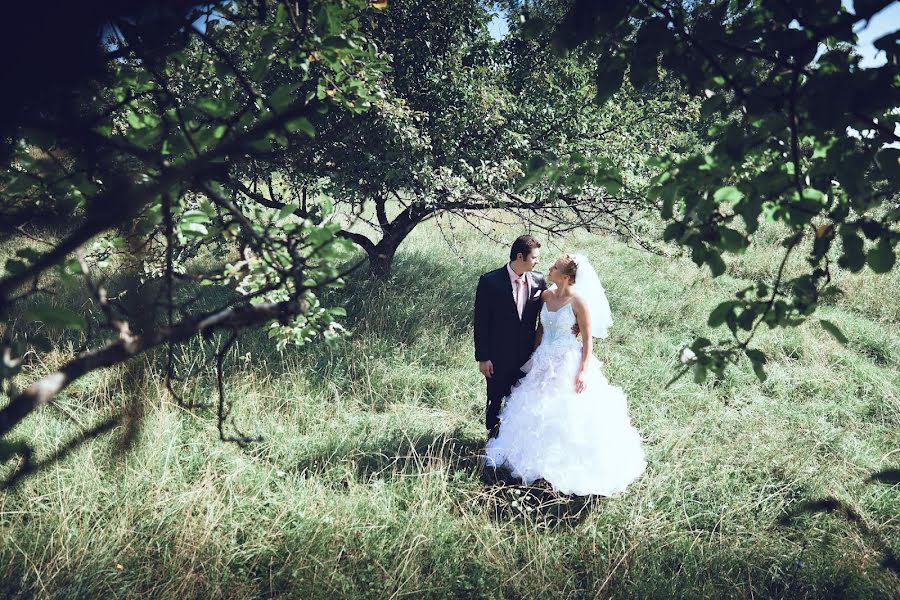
(583, 319)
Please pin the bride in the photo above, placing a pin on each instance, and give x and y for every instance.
(563, 422)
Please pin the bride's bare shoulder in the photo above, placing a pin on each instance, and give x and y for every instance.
(548, 294)
(578, 302)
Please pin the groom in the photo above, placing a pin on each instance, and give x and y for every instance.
(507, 305)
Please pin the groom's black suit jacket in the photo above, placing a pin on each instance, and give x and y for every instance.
(500, 336)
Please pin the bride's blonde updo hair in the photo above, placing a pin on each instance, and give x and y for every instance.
(569, 266)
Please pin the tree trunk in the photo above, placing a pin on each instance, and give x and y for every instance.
(381, 259)
(381, 256)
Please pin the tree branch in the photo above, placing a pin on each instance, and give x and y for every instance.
(46, 388)
(122, 201)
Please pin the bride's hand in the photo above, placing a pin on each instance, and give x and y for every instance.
(579, 383)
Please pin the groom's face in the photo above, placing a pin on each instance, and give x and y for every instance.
(530, 262)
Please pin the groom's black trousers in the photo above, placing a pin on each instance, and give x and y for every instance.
(499, 386)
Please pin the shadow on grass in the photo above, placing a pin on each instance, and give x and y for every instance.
(831, 505)
(506, 498)
(502, 496)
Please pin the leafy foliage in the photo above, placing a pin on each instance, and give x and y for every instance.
(136, 160)
(801, 134)
(459, 116)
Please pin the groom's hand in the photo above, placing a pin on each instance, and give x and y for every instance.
(576, 329)
(486, 367)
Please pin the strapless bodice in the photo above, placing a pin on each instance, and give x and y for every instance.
(558, 325)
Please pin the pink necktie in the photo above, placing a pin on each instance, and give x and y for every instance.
(520, 295)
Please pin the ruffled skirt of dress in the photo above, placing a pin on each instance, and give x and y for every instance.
(580, 443)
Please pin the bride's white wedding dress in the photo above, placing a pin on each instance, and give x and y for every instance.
(580, 443)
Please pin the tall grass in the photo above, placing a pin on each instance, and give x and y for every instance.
(367, 481)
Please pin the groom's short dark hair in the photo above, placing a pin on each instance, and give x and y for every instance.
(523, 245)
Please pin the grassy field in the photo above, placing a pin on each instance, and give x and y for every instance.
(367, 482)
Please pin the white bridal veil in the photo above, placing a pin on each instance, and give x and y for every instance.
(588, 286)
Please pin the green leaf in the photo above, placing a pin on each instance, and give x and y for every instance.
(213, 106)
(833, 330)
(284, 95)
(261, 145)
(207, 208)
(281, 15)
(301, 124)
(325, 204)
(813, 195)
(610, 179)
(729, 194)
(533, 171)
(72, 267)
(286, 210)
(193, 230)
(56, 317)
(337, 42)
(194, 216)
(328, 20)
(134, 120)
